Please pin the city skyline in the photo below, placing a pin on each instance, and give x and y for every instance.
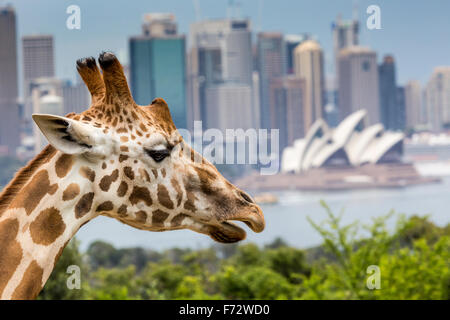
(230, 73)
(398, 21)
(9, 130)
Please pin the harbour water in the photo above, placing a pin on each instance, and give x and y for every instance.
(288, 218)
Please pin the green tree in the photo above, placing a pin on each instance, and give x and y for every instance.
(102, 254)
(192, 287)
(248, 255)
(160, 280)
(254, 283)
(420, 271)
(114, 284)
(288, 262)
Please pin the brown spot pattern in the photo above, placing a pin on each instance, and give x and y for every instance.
(123, 188)
(158, 218)
(176, 221)
(88, 173)
(164, 197)
(71, 192)
(33, 192)
(207, 177)
(15, 186)
(106, 181)
(122, 211)
(144, 174)
(140, 194)
(178, 190)
(141, 216)
(129, 172)
(52, 189)
(31, 283)
(105, 206)
(47, 227)
(84, 205)
(10, 251)
(189, 204)
(143, 128)
(63, 165)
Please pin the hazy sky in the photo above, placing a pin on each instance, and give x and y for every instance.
(416, 32)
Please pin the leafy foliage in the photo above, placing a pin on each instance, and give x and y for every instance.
(413, 259)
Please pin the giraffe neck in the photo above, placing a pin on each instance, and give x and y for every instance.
(40, 211)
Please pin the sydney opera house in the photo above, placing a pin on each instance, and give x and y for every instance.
(351, 143)
(351, 156)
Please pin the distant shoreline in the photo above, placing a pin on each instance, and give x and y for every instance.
(335, 179)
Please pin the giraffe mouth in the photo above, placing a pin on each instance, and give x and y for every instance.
(229, 232)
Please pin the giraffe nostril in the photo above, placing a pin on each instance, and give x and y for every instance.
(246, 197)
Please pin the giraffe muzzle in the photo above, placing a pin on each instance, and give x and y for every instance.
(252, 217)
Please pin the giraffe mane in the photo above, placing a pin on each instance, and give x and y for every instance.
(22, 177)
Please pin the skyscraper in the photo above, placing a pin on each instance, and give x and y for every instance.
(159, 24)
(157, 68)
(392, 113)
(271, 64)
(291, 42)
(38, 62)
(330, 109)
(9, 121)
(345, 34)
(400, 123)
(256, 111)
(287, 108)
(413, 104)
(438, 98)
(220, 54)
(358, 83)
(308, 64)
(76, 97)
(229, 106)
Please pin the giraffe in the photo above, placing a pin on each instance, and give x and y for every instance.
(116, 159)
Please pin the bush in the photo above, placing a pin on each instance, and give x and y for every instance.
(413, 261)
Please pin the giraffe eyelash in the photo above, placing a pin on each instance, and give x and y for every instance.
(158, 155)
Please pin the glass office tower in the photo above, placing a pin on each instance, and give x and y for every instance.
(157, 69)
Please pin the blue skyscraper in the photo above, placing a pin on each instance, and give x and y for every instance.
(158, 64)
(392, 105)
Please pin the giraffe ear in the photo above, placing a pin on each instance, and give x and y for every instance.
(67, 135)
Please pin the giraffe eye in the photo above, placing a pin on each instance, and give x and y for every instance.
(158, 155)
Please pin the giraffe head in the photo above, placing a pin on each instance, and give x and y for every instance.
(140, 170)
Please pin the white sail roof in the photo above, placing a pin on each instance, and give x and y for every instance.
(347, 141)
